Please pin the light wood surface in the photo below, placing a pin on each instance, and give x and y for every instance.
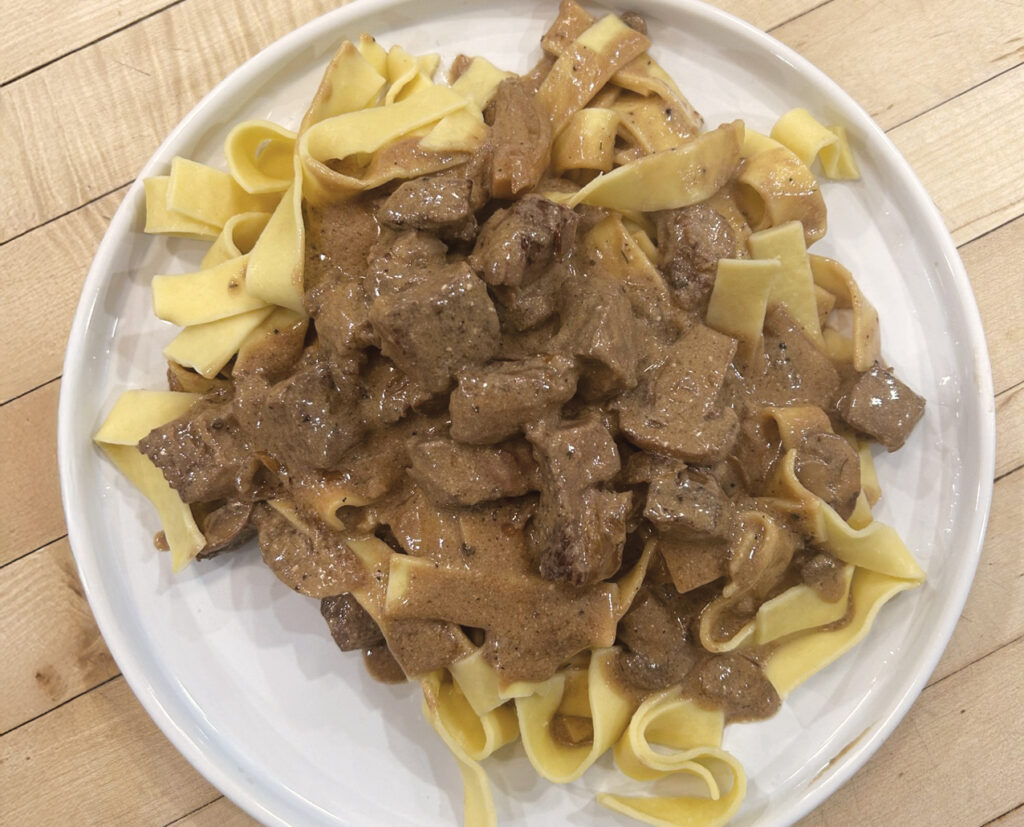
(89, 88)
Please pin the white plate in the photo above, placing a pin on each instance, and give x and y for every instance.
(240, 672)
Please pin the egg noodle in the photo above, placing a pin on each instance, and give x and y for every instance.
(626, 135)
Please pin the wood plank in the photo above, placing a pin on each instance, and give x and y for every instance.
(39, 31)
(219, 813)
(99, 759)
(43, 299)
(994, 613)
(766, 16)
(29, 487)
(993, 264)
(975, 175)
(51, 649)
(918, 63)
(957, 752)
(108, 91)
(1010, 431)
(1014, 818)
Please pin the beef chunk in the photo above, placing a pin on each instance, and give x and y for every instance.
(688, 505)
(578, 531)
(823, 573)
(599, 328)
(493, 403)
(438, 327)
(518, 244)
(341, 310)
(521, 137)
(526, 307)
(350, 624)
(694, 563)
(733, 682)
(453, 474)
(225, 527)
(828, 466)
(792, 371)
(444, 203)
(203, 454)
(678, 412)
(574, 455)
(338, 239)
(399, 261)
(659, 652)
(579, 536)
(690, 242)
(878, 404)
(309, 558)
(309, 422)
(388, 394)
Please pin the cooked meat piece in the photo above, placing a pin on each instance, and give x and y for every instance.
(350, 624)
(494, 402)
(694, 563)
(658, 642)
(574, 455)
(641, 467)
(828, 466)
(307, 422)
(453, 474)
(691, 240)
(421, 646)
(338, 239)
(757, 451)
(438, 327)
(203, 453)
(823, 573)
(736, 684)
(518, 244)
(381, 664)
(399, 261)
(526, 307)
(388, 394)
(688, 505)
(599, 328)
(677, 411)
(881, 406)
(578, 536)
(225, 528)
(635, 21)
(312, 560)
(792, 371)
(444, 203)
(521, 137)
(341, 310)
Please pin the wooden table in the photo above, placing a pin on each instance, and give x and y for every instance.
(88, 89)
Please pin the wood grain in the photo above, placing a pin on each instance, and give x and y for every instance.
(29, 489)
(219, 813)
(98, 759)
(916, 65)
(51, 649)
(40, 31)
(1010, 431)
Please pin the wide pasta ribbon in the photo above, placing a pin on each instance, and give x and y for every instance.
(799, 131)
(689, 737)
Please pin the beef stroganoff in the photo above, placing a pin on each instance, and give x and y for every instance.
(531, 381)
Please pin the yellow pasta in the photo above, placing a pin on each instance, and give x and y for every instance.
(204, 296)
(237, 237)
(740, 297)
(259, 156)
(207, 348)
(808, 139)
(209, 195)
(165, 221)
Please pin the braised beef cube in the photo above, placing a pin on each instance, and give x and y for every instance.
(438, 327)
(201, 454)
(694, 563)
(691, 240)
(678, 411)
(338, 239)
(642, 468)
(792, 370)
(521, 137)
(600, 329)
(307, 422)
(526, 307)
(341, 311)
(823, 573)
(225, 528)
(518, 244)
(388, 394)
(453, 474)
(306, 556)
(688, 505)
(881, 406)
(659, 652)
(578, 536)
(575, 454)
(735, 683)
(441, 203)
(350, 624)
(400, 260)
(494, 402)
(829, 467)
